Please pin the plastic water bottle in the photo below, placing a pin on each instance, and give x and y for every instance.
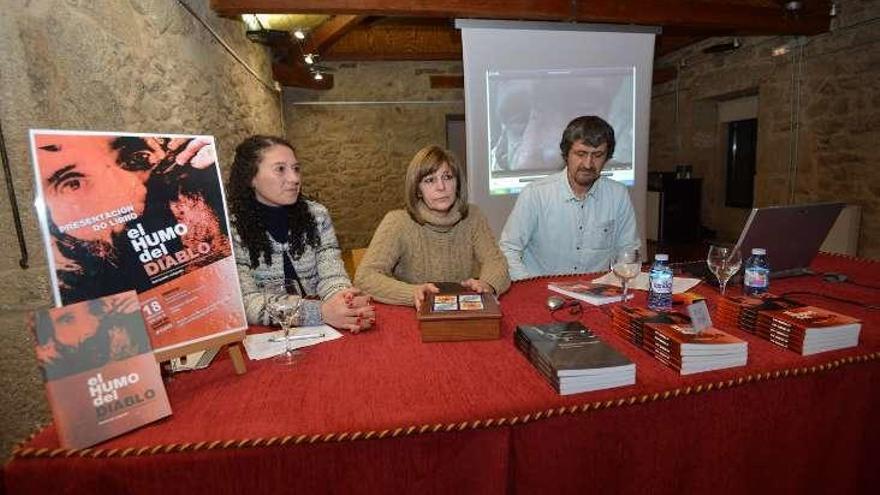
(660, 284)
(756, 279)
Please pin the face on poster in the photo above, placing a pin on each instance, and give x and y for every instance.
(126, 211)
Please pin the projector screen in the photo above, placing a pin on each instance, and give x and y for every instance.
(528, 111)
(524, 81)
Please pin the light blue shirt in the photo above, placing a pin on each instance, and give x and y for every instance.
(550, 231)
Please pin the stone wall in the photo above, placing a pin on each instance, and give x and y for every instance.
(139, 65)
(818, 119)
(356, 140)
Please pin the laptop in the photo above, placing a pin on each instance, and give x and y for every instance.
(791, 234)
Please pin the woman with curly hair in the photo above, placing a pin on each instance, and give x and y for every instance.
(439, 237)
(280, 235)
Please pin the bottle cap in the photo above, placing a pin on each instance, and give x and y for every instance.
(759, 251)
(661, 257)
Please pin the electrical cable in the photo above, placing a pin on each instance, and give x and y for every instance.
(861, 304)
(269, 85)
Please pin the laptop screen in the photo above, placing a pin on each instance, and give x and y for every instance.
(791, 234)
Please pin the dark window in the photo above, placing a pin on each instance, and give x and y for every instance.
(742, 140)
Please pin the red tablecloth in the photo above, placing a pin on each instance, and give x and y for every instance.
(382, 411)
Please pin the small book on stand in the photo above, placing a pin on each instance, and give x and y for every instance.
(572, 358)
(101, 377)
(808, 329)
(457, 313)
(584, 290)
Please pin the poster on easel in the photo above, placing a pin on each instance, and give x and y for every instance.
(143, 212)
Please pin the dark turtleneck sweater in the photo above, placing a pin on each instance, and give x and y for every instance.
(276, 222)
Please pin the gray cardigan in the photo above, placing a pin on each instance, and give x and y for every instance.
(320, 271)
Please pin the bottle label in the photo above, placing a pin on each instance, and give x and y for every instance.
(661, 284)
(757, 277)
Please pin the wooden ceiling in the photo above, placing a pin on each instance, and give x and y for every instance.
(424, 29)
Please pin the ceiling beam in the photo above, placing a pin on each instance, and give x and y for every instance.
(740, 16)
(500, 9)
(399, 40)
(298, 76)
(447, 81)
(330, 31)
(290, 69)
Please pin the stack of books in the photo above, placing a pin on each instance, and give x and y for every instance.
(669, 337)
(572, 358)
(786, 323)
(584, 290)
(629, 321)
(808, 329)
(742, 311)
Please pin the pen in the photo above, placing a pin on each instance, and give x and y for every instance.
(297, 337)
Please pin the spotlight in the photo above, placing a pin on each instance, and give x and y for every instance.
(318, 76)
(309, 58)
(299, 34)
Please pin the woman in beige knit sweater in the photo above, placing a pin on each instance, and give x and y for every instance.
(439, 237)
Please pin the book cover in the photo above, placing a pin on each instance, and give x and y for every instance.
(101, 377)
(809, 318)
(445, 302)
(682, 340)
(570, 348)
(742, 311)
(593, 293)
(123, 211)
(470, 302)
(636, 317)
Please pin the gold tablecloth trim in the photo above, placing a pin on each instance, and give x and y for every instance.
(21, 452)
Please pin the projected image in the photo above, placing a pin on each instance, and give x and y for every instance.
(528, 110)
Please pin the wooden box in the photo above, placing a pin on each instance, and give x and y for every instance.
(460, 324)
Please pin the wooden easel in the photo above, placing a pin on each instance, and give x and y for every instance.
(232, 341)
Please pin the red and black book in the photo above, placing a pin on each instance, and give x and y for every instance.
(742, 311)
(809, 329)
(668, 336)
(101, 377)
(584, 290)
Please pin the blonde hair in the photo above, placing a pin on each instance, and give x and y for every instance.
(425, 162)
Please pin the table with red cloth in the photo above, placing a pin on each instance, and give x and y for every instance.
(382, 412)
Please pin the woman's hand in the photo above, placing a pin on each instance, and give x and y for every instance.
(478, 286)
(420, 292)
(349, 309)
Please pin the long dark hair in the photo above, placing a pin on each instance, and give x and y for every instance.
(244, 207)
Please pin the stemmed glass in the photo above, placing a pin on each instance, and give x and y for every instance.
(626, 264)
(283, 309)
(724, 261)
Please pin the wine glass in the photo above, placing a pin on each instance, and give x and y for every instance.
(626, 264)
(724, 261)
(282, 306)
